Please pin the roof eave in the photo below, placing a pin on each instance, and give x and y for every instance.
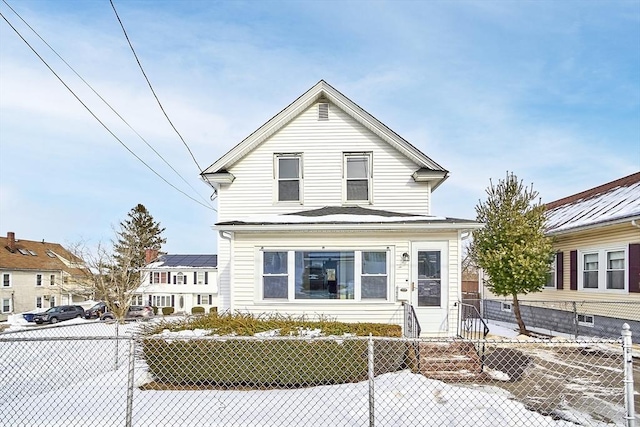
(592, 226)
(348, 227)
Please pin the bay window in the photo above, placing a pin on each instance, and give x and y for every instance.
(325, 274)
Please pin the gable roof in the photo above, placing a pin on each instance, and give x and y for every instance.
(48, 257)
(323, 90)
(613, 202)
(184, 261)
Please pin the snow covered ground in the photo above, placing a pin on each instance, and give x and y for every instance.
(70, 380)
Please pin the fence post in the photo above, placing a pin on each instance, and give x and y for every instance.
(372, 418)
(575, 320)
(130, 379)
(628, 375)
(115, 365)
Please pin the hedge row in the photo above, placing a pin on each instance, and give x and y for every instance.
(269, 363)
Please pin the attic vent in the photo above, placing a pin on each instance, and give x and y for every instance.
(323, 111)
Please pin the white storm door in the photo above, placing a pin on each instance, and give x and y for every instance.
(429, 275)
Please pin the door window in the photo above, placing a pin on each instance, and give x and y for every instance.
(429, 279)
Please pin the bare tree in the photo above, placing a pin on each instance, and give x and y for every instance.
(113, 281)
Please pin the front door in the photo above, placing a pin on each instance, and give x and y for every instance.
(430, 295)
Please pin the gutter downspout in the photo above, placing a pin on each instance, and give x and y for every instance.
(228, 235)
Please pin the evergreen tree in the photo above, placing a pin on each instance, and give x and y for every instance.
(512, 247)
(137, 233)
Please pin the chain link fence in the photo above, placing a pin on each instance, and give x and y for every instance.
(118, 377)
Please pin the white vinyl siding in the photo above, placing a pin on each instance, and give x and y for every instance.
(246, 294)
(323, 144)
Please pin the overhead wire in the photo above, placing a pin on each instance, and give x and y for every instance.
(151, 87)
(95, 116)
(104, 100)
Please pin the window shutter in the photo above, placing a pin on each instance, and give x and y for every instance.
(195, 277)
(168, 277)
(206, 277)
(199, 300)
(174, 279)
(634, 267)
(151, 277)
(210, 299)
(573, 270)
(560, 270)
(173, 300)
(150, 300)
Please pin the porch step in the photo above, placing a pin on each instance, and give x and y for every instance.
(455, 361)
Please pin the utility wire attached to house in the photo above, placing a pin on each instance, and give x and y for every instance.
(151, 87)
(95, 116)
(105, 102)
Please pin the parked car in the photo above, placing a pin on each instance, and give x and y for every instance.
(135, 312)
(96, 311)
(58, 314)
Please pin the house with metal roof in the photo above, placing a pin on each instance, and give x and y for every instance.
(593, 286)
(37, 275)
(178, 281)
(325, 211)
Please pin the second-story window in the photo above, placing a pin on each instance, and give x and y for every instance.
(52, 279)
(357, 177)
(38, 279)
(289, 177)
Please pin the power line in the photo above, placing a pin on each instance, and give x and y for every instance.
(96, 117)
(151, 87)
(104, 101)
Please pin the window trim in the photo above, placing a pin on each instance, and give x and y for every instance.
(41, 303)
(2, 310)
(291, 253)
(507, 307)
(369, 156)
(602, 269)
(8, 275)
(39, 277)
(276, 178)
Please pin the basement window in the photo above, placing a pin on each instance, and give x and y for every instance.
(586, 320)
(506, 307)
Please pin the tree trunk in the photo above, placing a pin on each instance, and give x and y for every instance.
(516, 312)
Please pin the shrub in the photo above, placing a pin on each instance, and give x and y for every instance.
(166, 311)
(213, 310)
(197, 310)
(234, 363)
(155, 309)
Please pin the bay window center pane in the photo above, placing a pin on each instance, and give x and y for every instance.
(324, 275)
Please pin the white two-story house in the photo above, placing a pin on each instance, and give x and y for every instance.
(178, 281)
(325, 211)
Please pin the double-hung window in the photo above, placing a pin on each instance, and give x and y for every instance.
(604, 269)
(551, 274)
(357, 177)
(52, 280)
(6, 305)
(590, 271)
(6, 280)
(38, 279)
(374, 277)
(615, 269)
(180, 279)
(289, 177)
(275, 275)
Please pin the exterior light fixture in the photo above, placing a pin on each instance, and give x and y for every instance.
(405, 257)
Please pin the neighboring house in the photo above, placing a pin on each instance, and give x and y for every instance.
(38, 275)
(593, 286)
(179, 281)
(325, 211)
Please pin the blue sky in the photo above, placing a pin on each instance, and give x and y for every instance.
(549, 90)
